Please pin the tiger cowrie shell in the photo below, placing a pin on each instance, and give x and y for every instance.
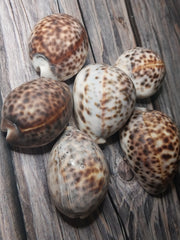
(77, 174)
(145, 68)
(104, 98)
(150, 141)
(58, 46)
(36, 112)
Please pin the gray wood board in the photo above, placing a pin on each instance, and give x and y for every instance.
(127, 212)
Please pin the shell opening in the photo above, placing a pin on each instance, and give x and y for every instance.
(10, 129)
(100, 140)
(42, 66)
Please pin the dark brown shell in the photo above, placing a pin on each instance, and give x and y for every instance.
(151, 143)
(36, 112)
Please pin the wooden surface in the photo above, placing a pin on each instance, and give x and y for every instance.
(26, 210)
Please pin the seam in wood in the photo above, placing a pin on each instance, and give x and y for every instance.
(121, 224)
(133, 23)
(90, 46)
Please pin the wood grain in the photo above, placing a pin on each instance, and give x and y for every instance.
(161, 33)
(11, 219)
(127, 211)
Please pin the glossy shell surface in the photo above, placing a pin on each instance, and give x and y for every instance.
(58, 46)
(150, 141)
(77, 174)
(145, 68)
(36, 112)
(104, 98)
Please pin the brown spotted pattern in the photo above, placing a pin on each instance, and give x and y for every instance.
(150, 141)
(145, 68)
(77, 174)
(36, 112)
(61, 40)
(104, 98)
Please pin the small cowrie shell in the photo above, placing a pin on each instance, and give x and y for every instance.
(150, 141)
(36, 112)
(104, 98)
(145, 68)
(77, 174)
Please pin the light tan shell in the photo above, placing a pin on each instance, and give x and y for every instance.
(145, 68)
(36, 112)
(58, 46)
(150, 141)
(77, 174)
(104, 98)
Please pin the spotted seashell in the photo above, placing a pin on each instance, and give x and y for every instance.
(58, 46)
(36, 112)
(77, 174)
(145, 68)
(150, 141)
(104, 98)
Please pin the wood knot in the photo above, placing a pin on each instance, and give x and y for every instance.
(125, 171)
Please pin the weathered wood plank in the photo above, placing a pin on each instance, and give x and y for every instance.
(159, 29)
(39, 214)
(156, 216)
(124, 194)
(91, 228)
(108, 28)
(11, 220)
(128, 195)
(127, 212)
